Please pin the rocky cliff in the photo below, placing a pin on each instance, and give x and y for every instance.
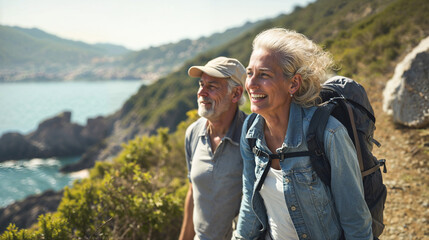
(56, 136)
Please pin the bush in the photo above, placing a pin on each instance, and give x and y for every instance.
(139, 195)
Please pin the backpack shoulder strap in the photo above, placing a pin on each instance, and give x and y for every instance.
(355, 136)
(315, 141)
(357, 141)
(251, 119)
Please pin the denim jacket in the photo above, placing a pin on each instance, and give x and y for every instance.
(317, 211)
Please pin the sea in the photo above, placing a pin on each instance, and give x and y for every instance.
(24, 105)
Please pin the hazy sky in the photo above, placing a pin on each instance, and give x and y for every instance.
(138, 24)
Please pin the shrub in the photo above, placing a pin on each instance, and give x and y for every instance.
(139, 195)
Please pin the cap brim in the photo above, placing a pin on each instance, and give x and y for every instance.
(197, 71)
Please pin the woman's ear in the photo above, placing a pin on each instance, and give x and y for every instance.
(296, 82)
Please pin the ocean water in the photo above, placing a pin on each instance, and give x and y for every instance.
(24, 105)
(26, 177)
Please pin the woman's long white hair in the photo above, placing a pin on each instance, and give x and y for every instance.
(298, 55)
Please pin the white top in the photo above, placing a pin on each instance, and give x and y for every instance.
(279, 220)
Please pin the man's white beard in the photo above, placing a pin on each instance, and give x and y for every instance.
(204, 112)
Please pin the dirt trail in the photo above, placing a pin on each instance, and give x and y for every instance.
(407, 179)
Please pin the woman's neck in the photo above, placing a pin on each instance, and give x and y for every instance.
(275, 128)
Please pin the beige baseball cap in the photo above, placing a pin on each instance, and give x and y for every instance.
(221, 67)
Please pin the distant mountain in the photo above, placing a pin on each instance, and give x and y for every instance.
(34, 55)
(34, 47)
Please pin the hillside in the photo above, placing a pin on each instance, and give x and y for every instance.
(367, 38)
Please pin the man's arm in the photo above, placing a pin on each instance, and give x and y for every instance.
(187, 232)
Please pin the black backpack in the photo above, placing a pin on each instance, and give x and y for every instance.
(347, 101)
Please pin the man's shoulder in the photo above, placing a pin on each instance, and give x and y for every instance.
(239, 120)
(242, 116)
(196, 126)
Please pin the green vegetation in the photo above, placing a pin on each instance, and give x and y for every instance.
(373, 44)
(140, 194)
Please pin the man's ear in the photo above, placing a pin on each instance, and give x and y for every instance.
(236, 94)
(296, 82)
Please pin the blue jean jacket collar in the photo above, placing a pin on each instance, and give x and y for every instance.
(294, 135)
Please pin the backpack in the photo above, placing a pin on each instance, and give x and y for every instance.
(347, 101)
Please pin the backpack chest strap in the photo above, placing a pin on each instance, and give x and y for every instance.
(280, 156)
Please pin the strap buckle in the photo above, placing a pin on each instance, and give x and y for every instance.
(256, 151)
(282, 156)
(318, 152)
(383, 163)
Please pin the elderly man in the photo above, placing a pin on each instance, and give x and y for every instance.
(213, 151)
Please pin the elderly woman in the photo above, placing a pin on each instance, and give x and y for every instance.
(283, 82)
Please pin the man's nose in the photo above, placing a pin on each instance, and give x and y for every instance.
(202, 92)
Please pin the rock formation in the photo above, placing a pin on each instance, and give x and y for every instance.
(56, 136)
(109, 147)
(406, 96)
(25, 213)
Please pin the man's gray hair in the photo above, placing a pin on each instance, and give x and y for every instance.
(232, 84)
